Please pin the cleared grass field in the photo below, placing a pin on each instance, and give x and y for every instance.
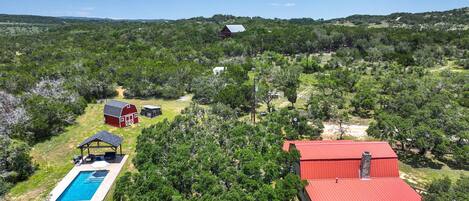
(422, 177)
(53, 156)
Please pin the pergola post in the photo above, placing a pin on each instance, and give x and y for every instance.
(82, 159)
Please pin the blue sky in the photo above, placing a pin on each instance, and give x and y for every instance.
(177, 9)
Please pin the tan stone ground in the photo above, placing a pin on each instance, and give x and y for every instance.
(331, 131)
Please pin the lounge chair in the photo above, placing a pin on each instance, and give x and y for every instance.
(90, 158)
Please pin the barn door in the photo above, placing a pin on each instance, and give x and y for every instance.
(129, 120)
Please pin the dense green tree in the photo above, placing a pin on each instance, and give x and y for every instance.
(236, 73)
(266, 94)
(47, 117)
(288, 80)
(310, 65)
(15, 162)
(444, 189)
(201, 156)
(328, 98)
(236, 96)
(293, 125)
(4, 186)
(464, 63)
(365, 98)
(206, 88)
(291, 95)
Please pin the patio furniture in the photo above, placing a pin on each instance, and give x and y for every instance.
(90, 158)
(76, 159)
(110, 156)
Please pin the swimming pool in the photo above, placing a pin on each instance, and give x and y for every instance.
(83, 186)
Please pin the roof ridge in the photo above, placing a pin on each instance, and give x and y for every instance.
(341, 143)
(354, 178)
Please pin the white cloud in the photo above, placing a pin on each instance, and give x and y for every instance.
(289, 4)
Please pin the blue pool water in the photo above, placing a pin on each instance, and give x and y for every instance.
(83, 186)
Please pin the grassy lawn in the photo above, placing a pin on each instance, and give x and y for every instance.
(450, 65)
(421, 177)
(53, 156)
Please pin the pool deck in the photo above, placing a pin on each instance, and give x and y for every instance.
(100, 194)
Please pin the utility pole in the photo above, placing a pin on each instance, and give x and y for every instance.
(254, 104)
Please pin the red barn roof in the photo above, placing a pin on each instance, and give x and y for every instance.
(323, 161)
(344, 150)
(329, 169)
(287, 143)
(382, 189)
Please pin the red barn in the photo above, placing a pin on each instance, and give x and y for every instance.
(348, 170)
(120, 114)
(230, 30)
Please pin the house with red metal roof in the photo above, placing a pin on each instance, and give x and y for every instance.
(287, 143)
(348, 170)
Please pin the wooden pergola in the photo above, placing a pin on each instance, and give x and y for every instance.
(96, 142)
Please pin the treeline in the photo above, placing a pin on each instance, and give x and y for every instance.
(456, 19)
(30, 19)
(117, 50)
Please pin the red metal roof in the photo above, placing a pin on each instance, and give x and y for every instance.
(287, 143)
(329, 169)
(374, 189)
(344, 150)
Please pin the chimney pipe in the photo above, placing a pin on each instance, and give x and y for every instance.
(337, 180)
(365, 165)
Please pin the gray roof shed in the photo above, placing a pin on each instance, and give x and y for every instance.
(114, 108)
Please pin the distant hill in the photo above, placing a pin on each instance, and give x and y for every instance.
(35, 19)
(452, 19)
(30, 19)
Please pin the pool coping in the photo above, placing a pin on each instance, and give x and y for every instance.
(113, 168)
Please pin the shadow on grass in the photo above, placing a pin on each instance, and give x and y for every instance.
(453, 164)
(419, 161)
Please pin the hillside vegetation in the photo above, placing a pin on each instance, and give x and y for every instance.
(410, 82)
(456, 19)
